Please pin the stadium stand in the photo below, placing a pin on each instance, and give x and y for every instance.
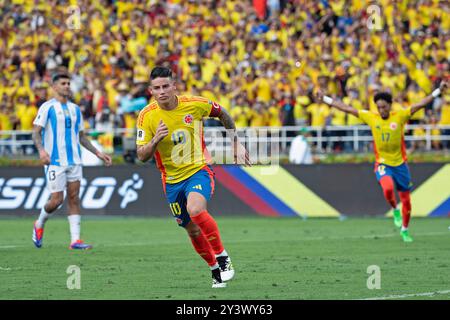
(262, 60)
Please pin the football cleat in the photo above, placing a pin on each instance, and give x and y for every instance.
(38, 234)
(216, 279)
(397, 218)
(80, 245)
(406, 237)
(226, 268)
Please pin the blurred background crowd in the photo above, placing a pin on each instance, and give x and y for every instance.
(261, 60)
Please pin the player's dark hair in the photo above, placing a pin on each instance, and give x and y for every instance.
(386, 96)
(160, 72)
(60, 75)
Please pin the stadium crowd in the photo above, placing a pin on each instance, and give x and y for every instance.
(262, 65)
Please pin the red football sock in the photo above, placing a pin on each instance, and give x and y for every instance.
(201, 245)
(406, 207)
(209, 228)
(387, 184)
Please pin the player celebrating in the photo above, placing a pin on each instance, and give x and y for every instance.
(170, 129)
(390, 153)
(59, 123)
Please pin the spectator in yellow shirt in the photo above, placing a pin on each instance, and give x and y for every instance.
(435, 133)
(319, 115)
(419, 135)
(444, 109)
(26, 112)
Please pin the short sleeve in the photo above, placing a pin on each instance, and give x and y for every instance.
(208, 108)
(405, 114)
(80, 120)
(143, 134)
(365, 116)
(42, 116)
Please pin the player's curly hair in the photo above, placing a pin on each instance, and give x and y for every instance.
(386, 96)
(160, 72)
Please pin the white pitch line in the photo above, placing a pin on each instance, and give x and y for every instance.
(5, 269)
(371, 236)
(9, 247)
(402, 296)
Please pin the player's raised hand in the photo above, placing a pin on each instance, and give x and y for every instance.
(45, 158)
(161, 132)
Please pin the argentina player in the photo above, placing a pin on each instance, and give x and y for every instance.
(58, 133)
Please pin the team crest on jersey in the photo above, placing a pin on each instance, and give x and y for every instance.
(188, 119)
(393, 125)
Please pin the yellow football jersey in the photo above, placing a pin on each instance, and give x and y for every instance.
(388, 135)
(182, 152)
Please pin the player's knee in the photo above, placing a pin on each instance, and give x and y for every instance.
(55, 201)
(194, 209)
(193, 231)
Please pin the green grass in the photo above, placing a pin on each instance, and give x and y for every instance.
(282, 258)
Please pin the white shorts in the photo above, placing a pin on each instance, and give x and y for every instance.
(57, 177)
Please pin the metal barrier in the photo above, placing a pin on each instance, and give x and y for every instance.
(355, 138)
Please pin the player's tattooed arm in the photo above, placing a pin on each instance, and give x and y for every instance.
(240, 154)
(85, 142)
(146, 152)
(428, 99)
(227, 120)
(37, 139)
(337, 104)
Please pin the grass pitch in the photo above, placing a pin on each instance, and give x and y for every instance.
(274, 258)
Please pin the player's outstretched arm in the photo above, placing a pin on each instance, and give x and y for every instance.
(241, 155)
(37, 139)
(428, 99)
(85, 142)
(337, 104)
(146, 152)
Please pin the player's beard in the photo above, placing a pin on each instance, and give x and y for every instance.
(66, 95)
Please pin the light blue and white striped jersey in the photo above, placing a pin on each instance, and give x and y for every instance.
(62, 123)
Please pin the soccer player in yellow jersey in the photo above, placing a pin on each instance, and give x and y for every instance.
(170, 129)
(389, 146)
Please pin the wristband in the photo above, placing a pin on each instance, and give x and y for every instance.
(327, 100)
(436, 93)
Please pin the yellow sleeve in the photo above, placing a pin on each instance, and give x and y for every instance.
(144, 134)
(365, 116)
(208, 108)
(405, 114)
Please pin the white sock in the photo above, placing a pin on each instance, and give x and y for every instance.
(74, 222)
(43, 217)
(214, 266)
(404, 229)
(224, 253)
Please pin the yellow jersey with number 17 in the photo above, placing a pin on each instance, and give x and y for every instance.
(182, 152)
(388, 135)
